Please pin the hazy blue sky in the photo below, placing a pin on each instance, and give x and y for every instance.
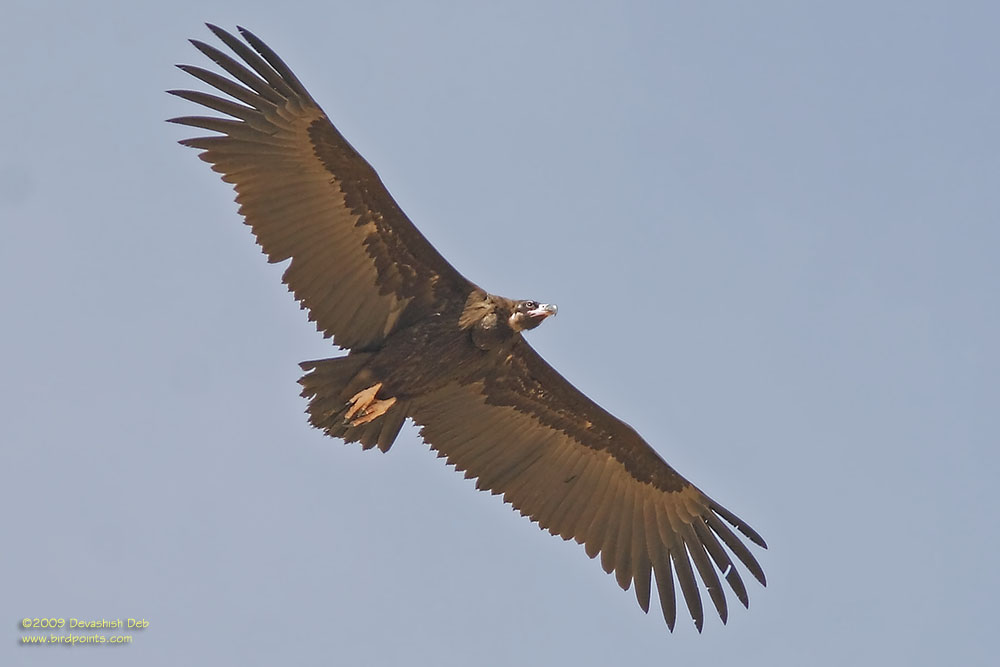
(773, 232)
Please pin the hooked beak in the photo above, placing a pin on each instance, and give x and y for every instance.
(543, 310)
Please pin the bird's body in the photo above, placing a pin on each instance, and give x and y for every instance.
(429, 345)
(468, 344)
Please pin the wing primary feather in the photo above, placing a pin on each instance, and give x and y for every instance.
(205, 144)
(705, 569)
(229, 87)
(659, 556)
(255, 62)
(214, 124)
(739, 524)
(244, 75)
(722, 560)
(249, 114)
(221, 148)
(682, 564)
(276, 62)
(737, 547)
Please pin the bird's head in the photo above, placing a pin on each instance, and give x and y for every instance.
(529, 314)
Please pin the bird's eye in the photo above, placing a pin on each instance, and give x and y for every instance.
(530, 305)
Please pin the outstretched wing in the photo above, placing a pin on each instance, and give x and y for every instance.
(358, 264)
(581, 473)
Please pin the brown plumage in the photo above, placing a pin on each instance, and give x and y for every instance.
(429, 345)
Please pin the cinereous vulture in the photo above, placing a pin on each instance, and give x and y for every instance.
(427, 344)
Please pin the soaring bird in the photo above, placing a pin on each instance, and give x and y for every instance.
(427, 344)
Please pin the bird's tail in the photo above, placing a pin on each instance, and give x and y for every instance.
(345, 401)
